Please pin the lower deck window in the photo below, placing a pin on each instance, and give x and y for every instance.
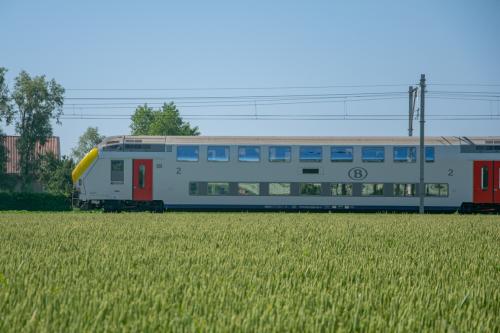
(218, 188)
(248, 188)
(436, 190)
(279, 189)
(341, 189)
(194, 188)
(372, 189)
(117, 173)
(310, 188)
(405, 190)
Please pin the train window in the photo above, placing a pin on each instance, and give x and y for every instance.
(249, 154)
(310, 189)
(340, 189)
(279, 189)
(187, 153)
(142, 176)
(436, 190)
(218, 188)
(218, 153)
(372, 189)
(280, 154)
(341, 154)
(405, 154)
(144, 147)
(311, 154)
(194, 188)
(117, 171)
(484, 178)
(373, 154)
(429, 154)
(113, 147)
(248, 188)
(405, 190)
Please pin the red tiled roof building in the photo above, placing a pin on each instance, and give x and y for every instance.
(10, 141)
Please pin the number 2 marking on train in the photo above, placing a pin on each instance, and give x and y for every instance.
(179, 171)
(451, 172)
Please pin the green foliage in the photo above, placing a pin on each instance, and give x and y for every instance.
(55, 174)
(34, 202)
(5, 105)
(85, 272)
(164, 121)
(37, 102)
(3, 154)
(88, 140)
(5, 115)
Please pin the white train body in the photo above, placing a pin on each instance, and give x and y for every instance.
(327, 173)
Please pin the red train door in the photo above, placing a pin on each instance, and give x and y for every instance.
(142, 184)
(484, 181)
(496, 182)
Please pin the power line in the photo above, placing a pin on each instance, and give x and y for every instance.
(229, 104)
(246, 97)
(244, 88)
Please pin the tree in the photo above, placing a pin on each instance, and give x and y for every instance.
(164, 121)
(55, 174)
(37, 102)
(5, 114)
(88, 140)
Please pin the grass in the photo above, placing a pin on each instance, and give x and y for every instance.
(64, 272)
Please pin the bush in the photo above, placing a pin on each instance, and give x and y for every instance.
(34, 201)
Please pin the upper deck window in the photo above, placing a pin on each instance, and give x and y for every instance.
(430, 154)
(405, 154)
(341, 154)
(311, 153)
(249, 153)
(218, 153)
(280, 154)
(187, 153)
(373, 154)
(113, 147)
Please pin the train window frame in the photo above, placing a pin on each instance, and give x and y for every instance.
(404, 193)
(307, 159)
(363, 186)
(289, 186)
(227, 153)
(215, 194)
(245, 194)
(178, 159)
(368, 159)
(316, 186)
(338, 159)
(275, 160)
(429, 159)
(240, 148)
(445, 185)
(410, 154)
(117, 176)
(333, 185)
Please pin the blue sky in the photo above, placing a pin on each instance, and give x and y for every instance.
(210, 44)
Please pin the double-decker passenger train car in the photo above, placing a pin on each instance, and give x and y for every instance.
(289, 173)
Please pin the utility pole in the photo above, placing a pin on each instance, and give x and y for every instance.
(422, 143)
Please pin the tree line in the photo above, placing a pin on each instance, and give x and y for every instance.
(31, 107)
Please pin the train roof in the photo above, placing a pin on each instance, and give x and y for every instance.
(301, 140)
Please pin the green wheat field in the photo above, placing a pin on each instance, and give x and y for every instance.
(94, 272)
